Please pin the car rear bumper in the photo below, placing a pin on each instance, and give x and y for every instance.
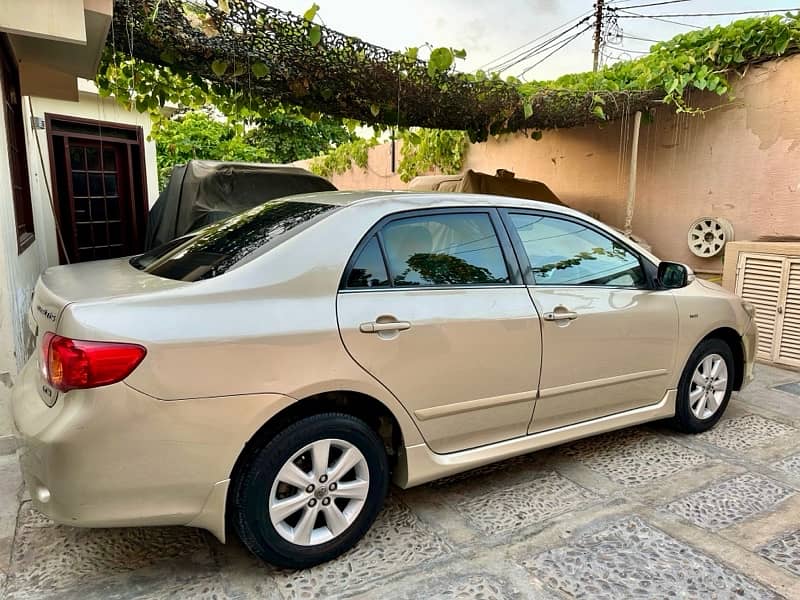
(113, 456)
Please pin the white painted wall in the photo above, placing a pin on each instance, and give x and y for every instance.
(19, 273)
(89, 106)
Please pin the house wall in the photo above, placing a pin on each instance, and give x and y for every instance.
(738, 161)
(19, 273)
(89, 106)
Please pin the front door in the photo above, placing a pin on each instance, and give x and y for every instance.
(99, 200)
(432, 308)
(608, 339)
(98, 186)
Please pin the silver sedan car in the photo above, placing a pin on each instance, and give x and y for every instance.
(269, 375)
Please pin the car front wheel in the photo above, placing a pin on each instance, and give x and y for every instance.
(312, 491)
(705, 387)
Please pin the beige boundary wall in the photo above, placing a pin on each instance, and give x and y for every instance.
(740, 161)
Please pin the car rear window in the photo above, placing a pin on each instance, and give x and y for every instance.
(216, 248)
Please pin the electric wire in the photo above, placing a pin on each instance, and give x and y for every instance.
(536, 39)
(570, 40)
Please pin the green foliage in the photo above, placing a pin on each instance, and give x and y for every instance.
(342, 158)
(197, 134)
(280, 138)
(698, 60)
(287, 137)
(427, 149)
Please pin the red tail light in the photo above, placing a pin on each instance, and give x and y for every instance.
(69, 364)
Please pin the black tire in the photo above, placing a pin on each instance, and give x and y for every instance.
(685, 420)
(253, 484)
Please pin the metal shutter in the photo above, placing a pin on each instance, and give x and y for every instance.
(788, 344)
(759, 282)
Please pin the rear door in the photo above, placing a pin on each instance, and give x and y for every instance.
(433, 306)
(608, 337)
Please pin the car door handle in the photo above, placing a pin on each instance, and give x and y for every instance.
(566, 315)
(376, 327)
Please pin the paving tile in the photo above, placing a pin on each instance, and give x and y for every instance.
(633, 456)
(632, 559)
(730, 501)
(789, 465)
(784, 551)
(49, 560)
(398, 541)
(480, 586)
(516, 507)
(743, 433)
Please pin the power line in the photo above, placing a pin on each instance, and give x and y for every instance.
(536, 39)
(652, 4)
(689, 25)
(536, 50)
(626, 49)
(628, 36)
(573, 38)
(716, 14)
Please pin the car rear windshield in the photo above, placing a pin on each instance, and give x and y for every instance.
(213, 250)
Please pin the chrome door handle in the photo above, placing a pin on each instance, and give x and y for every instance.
(376, 327)
(560, 316)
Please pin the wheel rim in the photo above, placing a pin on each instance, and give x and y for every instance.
(709, 386)
(319, 492)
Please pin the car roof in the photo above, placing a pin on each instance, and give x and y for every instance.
(405, 200)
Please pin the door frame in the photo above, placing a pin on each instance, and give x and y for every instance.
(133, 136)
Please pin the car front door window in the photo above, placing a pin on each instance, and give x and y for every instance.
(565, 252)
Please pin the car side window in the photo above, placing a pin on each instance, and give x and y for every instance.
(566, 252)
(368, 270)
(444, 249)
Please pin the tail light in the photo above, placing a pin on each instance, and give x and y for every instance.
(69, 364)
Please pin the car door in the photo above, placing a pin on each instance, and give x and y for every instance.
(432, 304)
(608, 336)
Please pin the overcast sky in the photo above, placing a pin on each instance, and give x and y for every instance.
(487, 29)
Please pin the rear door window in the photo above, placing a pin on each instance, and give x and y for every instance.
(215, 249)
(444, 249)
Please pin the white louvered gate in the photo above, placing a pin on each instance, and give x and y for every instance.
(772, 284)
(787, 349)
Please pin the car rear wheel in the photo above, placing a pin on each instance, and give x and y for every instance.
(311, 492)
(705, 387)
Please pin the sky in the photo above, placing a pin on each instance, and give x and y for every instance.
(487, 29)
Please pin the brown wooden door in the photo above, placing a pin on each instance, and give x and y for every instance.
(99, 199)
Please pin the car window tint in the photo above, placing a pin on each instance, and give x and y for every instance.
(448, 249)
(216, 248)
(563, 252)
(368, 270)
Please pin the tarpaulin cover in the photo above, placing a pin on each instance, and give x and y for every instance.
(205, 191)
(504, 183)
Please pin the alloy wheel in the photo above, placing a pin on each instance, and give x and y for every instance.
(319, 492)
(709, 386)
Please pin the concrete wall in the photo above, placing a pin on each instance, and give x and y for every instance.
(738, 161)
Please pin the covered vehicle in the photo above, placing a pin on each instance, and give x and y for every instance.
(502, 183)
(202, 192)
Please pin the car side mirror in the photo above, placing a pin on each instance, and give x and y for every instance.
(672, 275)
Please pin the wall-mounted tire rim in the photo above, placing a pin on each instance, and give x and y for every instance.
(319, 492)
(708, 386)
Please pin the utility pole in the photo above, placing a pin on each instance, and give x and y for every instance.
(598, 32)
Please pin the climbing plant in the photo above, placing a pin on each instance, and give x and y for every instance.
(344, 157)
(247, 58)
(424, 150)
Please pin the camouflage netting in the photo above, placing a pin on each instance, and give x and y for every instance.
(273, 54)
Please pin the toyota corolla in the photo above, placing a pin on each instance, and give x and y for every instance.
(269, 375)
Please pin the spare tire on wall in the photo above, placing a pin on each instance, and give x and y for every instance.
(708, 235)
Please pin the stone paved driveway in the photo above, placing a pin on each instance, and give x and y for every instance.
(640, 513)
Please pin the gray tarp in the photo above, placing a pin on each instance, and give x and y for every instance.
(205, 191)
